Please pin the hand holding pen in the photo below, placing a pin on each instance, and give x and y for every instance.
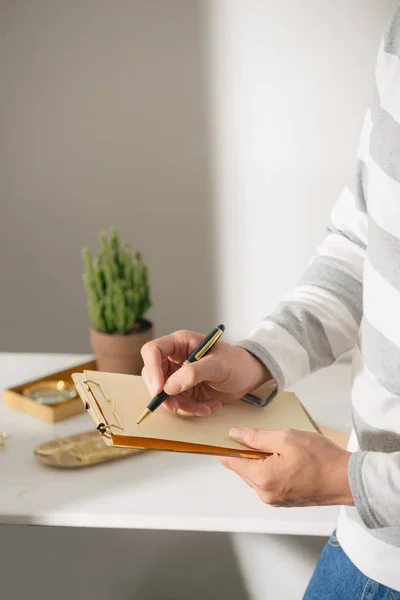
(195, 355)
(224, 374)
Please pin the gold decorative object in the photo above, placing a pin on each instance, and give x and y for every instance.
(81, 450)
(105, 430)
(50, 392)
(3, 438)
(19, 396)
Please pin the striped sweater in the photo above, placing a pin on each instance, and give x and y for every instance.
(349, 298)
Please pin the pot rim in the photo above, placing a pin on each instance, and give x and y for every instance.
(147, 325)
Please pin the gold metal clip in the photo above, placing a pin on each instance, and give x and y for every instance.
(104, 429)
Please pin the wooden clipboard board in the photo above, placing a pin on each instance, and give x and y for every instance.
(114, 401)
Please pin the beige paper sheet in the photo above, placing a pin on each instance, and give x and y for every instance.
(130, 397)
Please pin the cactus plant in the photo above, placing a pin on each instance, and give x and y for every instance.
(117, 286)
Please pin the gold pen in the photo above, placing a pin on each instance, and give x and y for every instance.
(198, 353)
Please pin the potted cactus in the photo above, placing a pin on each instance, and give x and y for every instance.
(118, 297)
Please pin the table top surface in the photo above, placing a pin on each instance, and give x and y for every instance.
(151, 490)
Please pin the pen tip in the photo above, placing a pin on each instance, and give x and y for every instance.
(144, 414)
(221, 327)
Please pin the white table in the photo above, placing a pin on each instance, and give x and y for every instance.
(197, 493)
(163, 491)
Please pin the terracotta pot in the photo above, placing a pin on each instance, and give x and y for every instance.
(117, 353)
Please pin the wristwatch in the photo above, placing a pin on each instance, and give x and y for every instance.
(263, 395)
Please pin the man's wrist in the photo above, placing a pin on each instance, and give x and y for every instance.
(260, 381)
(269, 365)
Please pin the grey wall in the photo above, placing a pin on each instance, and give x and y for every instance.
(103, 122)
(105, 564)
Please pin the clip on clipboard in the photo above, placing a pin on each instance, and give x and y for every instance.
(114, 400)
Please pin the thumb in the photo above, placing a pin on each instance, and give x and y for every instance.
(260, 439)
(188, 376)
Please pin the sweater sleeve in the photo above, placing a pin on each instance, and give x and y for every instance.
(319, 320)
(375, 485)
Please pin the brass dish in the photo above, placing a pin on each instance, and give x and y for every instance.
(51, 392)
(16, 396)
(81, 450)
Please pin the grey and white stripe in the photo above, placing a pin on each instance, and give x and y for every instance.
(350, 297)
(308, 330)
(391, 42)
(331, 275)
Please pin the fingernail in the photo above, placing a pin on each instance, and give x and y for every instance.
(173, 386)
(236, 433)
(174, 406)
(200, 413)
(154, 386)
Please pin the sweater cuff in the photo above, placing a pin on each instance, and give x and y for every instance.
(266, 358)
(358, 490)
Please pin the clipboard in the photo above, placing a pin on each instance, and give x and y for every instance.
(114, 400)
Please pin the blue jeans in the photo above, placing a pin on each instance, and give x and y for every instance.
(336, 578)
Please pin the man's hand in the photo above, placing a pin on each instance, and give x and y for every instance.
(225, 374)
(305, 469)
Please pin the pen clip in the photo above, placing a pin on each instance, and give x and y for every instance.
(209, 345)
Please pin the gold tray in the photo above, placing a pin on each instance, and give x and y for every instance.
(16, 398)
(81, 450)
